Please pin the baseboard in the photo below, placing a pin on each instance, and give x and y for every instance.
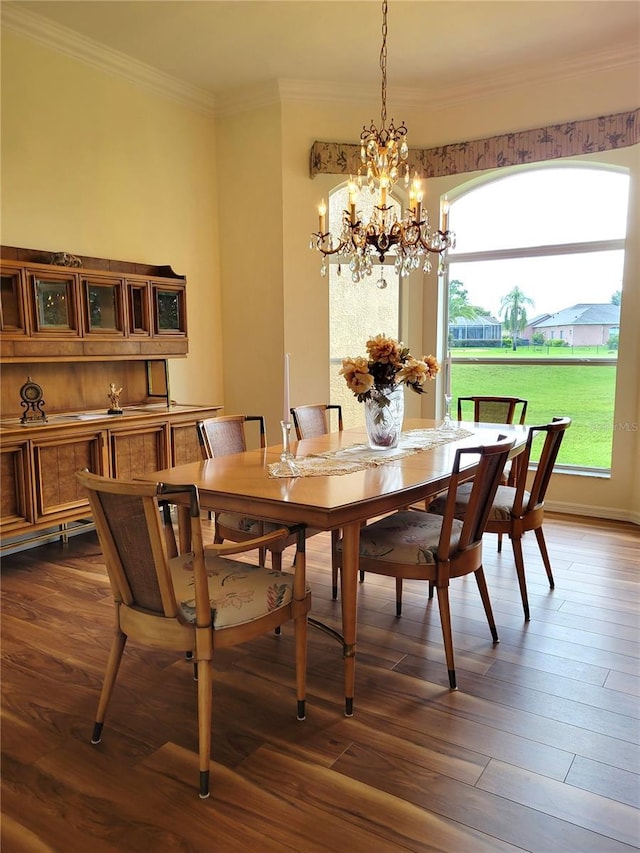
(591, 511)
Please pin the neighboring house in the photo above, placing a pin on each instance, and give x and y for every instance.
(530, 328)
(483, 331)
(585, 324)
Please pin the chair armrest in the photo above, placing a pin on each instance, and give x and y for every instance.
(222, 549)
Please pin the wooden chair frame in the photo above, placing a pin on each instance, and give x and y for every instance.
(235, 441)
(530, 515)
(137, 550)
(511, 405)
(312, 420)
(466, 557)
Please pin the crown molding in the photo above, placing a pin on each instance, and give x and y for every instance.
(92, 53)
(233, 101)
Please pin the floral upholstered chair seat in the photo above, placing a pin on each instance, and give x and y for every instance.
(238, 592)
(409, 537)
(501, 508)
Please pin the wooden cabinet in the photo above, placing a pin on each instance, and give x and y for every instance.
(38, 463)
(103, 308)
(77, 326)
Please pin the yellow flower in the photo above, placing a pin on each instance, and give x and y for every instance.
(384, 350)
(356, 374)
(432, 363)
(389, 363)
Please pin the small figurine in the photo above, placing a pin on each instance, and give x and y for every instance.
(114, 399)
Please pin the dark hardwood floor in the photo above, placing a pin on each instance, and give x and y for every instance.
(537, 750)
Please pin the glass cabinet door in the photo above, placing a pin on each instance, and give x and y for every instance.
(103, 307)
(169, 310)
(55, 305)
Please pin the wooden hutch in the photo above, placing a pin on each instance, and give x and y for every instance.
(71, 329)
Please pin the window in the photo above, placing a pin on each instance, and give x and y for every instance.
(541, 251)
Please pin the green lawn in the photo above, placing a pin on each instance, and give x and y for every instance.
(583, 392)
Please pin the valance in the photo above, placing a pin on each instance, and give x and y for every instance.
(587, 136)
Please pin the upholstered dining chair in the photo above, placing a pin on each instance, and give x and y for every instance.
(219, 437)
(515, 510)
(196, 602)
(310, 421)
(436, 548)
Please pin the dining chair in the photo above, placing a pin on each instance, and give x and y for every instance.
(516, 510)
(310, 421)
(494, 410)
(222, 436)
(197, 602)
(419, 545)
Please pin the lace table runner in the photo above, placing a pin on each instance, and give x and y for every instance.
(357, 457)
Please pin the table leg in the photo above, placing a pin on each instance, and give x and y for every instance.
(348, 597)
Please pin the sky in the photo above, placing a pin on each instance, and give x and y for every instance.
(563, 205)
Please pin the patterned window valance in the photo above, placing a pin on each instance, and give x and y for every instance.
(511, 149)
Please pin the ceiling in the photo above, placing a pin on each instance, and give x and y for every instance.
(220, 45)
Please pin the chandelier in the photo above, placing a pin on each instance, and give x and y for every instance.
(384, 154)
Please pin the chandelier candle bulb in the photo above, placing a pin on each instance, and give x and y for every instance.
(445, 215)
(322, 213)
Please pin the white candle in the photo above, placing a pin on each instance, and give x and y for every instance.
(285, 411)
(322, 213)
(447, 376)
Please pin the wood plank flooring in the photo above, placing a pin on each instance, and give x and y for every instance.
(538, 749)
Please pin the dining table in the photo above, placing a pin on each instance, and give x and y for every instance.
(340, 484)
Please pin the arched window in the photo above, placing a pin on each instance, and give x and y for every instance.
(540, 257)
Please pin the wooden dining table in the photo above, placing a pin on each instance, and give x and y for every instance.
(241, 483)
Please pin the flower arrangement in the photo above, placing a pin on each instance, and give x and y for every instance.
(388, 364)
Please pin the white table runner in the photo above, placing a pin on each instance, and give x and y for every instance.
(357, 457)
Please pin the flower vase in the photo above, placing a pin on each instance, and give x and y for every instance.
(383, 415)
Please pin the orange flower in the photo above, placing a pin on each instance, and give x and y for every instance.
(389, 364)
(356, 374)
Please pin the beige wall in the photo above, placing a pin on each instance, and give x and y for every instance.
(91, 164)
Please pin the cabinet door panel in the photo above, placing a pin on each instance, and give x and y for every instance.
(55, 464)
(15, 496)
(138, 452)
(185, 445)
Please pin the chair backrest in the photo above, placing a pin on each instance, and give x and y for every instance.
(486, 479)
(493, 410)
(312, 420)
(135, 544)
(554, 433)
(226, 434)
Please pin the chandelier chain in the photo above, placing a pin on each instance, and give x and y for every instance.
(383, 65)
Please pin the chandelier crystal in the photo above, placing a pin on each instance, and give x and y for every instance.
(384, 153)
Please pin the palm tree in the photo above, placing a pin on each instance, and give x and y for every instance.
(512, 307)
(460, 307)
